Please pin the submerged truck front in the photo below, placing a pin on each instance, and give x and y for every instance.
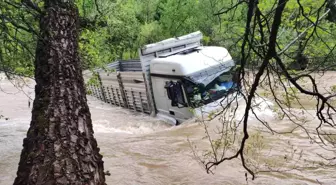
(184, 77)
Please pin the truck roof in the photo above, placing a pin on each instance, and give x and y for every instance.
(184, 64)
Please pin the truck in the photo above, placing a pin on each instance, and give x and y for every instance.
(174, 79)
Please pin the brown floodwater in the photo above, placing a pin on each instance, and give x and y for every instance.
(138, 149)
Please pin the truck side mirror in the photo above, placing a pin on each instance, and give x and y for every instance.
(175, 93)
(170, 92)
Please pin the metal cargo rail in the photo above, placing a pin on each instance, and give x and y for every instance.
(125, 86)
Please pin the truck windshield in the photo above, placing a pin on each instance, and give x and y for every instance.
(199, 95)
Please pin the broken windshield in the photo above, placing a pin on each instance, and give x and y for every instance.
(208, 75)
(199, 94)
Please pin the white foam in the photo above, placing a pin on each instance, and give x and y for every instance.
(104, 129)
(262, 108)
(131, 127)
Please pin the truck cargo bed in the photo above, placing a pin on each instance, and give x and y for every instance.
(123, 84)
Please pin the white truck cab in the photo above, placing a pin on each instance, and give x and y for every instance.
(183, 75)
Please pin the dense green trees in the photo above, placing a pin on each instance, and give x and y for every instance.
(136, 23)
(116, 29)
(18, 25)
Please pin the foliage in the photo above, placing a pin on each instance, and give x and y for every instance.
(18, 26)
(113, 30)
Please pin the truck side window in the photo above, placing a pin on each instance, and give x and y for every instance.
(175, 93)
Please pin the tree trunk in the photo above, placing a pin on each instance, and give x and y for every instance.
(60, 147)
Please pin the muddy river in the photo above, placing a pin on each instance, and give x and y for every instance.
(138, 149)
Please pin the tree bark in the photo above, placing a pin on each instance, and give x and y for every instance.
(59, 147)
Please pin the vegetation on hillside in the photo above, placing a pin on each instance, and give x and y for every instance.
(113, 30)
